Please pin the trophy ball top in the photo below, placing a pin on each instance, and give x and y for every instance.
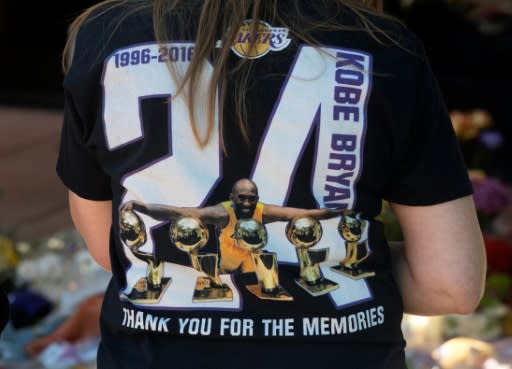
(250, 234)
(304, 232)
(350, 228)
(189, 234)
(132, 229)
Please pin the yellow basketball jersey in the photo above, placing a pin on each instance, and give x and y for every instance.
(233, 256)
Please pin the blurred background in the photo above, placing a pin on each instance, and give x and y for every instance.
(43, 263)
(32, 201)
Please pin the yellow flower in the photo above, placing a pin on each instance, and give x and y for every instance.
(477, 174)
(468, 125)
(7, 253)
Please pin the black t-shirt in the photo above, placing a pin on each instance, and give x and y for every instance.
(344, 127)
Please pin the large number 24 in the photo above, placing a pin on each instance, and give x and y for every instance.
(188, 173)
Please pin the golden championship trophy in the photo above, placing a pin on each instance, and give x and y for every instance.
(351, 229)
(189, 235)
(304, 233)
(252, 235)
(148, 289)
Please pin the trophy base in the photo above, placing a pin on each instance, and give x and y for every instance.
(149, 296)
(205, 292)
(319, 288)
(280, 294)
(351, 272)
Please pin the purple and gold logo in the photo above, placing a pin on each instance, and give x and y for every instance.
(266, 38)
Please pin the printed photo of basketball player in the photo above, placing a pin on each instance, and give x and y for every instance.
(243, 203)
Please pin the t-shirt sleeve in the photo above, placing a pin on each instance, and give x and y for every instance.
(431, 168)
(77, 163)
(77, 166)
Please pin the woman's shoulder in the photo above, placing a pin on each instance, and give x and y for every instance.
(111, 25)
(111, 18)
(391, 30)
(371, 31)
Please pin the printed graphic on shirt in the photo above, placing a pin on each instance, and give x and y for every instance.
(326, 92)
(241, 246)
(267, 38)
(248, 327)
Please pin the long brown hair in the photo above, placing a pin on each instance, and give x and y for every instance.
(227, 15)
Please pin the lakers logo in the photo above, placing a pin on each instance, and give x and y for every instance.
(266, 38)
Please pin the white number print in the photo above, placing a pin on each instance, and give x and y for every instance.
(184, 177)
(327, 90)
